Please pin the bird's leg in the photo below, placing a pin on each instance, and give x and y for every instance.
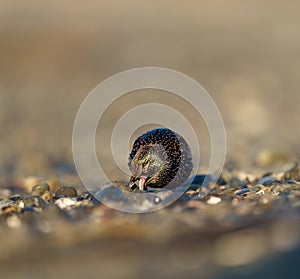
(142, 181)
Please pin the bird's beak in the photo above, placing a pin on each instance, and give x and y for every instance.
(141, 183)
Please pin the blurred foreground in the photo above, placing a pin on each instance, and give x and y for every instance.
(242, 225)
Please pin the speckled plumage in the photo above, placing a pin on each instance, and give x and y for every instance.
(159, 158)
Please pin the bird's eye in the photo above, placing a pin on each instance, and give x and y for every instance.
(144, 160)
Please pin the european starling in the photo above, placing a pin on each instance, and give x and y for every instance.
(158, 158)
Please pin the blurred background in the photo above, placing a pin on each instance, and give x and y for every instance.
(52, 54)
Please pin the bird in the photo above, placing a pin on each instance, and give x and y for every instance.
(159, 158)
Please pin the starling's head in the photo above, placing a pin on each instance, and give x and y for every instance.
(146, 165)
(159, 158)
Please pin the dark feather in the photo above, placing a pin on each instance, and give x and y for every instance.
(162, 156)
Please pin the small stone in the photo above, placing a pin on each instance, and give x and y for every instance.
(260, 192)
(204, 191)
(191, 193)
(212, 200)
(68, 192)
(63, 203)
(39, 189)
(42, 190)
(242, 191)
(15, 198)
(34, 201)
(21, 203)
(87, 196)
(267, 180)
(47, 196)
(10, 208)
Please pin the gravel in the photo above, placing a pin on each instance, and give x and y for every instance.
(240, 222)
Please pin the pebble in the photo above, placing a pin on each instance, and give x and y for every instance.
(34, 201)
(63, 203)
(212, 200)
(242, 191)
(260, 192)
(66, 191)
(42, 190)
(87, 196)
(267, 180)
(15, 198)
(10, 208)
